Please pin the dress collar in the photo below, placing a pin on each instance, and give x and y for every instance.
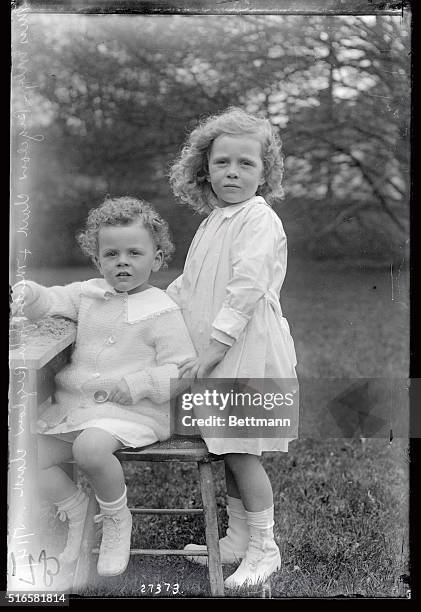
(230, 211)
(148, 304)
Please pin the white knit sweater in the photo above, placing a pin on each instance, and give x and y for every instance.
(140, 337)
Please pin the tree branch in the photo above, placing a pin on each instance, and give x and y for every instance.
(372, 183)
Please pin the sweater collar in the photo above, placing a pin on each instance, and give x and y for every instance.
(140, 305)
(98, 288)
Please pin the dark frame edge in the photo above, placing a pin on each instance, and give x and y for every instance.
(210, 7)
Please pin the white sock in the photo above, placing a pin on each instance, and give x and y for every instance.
(237, 534)
(71, 502)
(236, 507)
(262, 519)
(113, 506)
(74, 509)
(234, 543)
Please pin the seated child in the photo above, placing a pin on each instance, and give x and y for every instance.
(131, 340)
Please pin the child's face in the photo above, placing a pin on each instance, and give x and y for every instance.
(126, 256)
(235, 168)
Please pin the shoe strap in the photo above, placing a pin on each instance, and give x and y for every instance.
(114, 536)
(99, 518)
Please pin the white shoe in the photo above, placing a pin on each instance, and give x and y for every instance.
(76, 516)
(232, 547)
(261, 560)
(114, 552)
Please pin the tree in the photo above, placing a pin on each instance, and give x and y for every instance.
(116, 97)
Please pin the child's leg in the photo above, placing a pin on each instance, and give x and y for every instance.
(232, 489)
(262, 557)
(233, 545)
(58, 488)
(251, 480)
(54, 483)
(94, 451)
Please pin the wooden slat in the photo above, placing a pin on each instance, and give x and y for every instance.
(177, 448)
(207, 490)
(172, 454)
(34, 356)
(176, 443)
(45, 376)
(23, 492)
(235, 7)
(85, 564)
(157, 552)
(166, 510)
(45, 384)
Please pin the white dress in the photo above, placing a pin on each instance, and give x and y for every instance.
(229, 290)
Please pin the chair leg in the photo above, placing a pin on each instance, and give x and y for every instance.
(207, 489)
(85, 563)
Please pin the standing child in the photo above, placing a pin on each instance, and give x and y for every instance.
(231, 167)
(131, 340)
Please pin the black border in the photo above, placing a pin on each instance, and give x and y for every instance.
(336, 7)
(217, 7)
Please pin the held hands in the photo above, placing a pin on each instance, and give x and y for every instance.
(120, 394)
(201, 366)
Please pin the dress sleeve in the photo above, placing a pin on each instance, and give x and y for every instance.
(46, 301)
(258, 242)
(173, 289)
(173, 346)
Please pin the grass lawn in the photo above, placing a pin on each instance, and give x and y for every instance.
(341, 504)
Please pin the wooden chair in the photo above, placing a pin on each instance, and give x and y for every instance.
(180, 449)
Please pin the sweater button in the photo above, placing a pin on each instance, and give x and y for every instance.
(97, 375)
(100, 396)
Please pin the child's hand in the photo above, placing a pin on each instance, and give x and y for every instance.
(201, 366)
(21, 294)
(120, 394)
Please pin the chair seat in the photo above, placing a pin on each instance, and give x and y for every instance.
(176, 448)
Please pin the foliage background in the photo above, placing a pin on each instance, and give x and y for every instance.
(114, 97)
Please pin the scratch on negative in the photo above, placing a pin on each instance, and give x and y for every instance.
(391, 279)
(378, 96)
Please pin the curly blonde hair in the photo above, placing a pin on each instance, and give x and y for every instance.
(124, 211)
(188, 175)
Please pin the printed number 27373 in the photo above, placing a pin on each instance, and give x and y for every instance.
(165, 588)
